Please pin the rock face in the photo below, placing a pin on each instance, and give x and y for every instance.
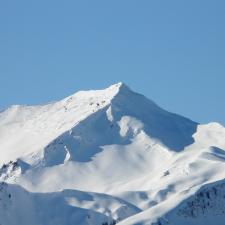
(132, 162)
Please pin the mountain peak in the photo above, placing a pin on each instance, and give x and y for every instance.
(119, 88)
(119, 85)
(106, 95)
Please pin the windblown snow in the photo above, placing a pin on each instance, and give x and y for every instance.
(109, 157)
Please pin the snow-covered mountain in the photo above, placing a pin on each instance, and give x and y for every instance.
(109, 157)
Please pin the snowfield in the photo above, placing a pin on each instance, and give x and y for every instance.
(109, 157)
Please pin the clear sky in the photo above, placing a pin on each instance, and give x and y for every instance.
(172, 51)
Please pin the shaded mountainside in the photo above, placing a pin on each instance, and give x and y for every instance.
(65, 207)
(132, 162)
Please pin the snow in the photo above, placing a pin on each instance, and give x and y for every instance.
(42, 124)
(65, 207)
(108, 156)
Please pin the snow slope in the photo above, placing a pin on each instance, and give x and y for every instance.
(109, 156)
(65, 207)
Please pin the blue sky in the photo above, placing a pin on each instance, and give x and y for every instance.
(171, 51)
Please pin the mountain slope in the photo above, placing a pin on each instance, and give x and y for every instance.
(143, 160)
